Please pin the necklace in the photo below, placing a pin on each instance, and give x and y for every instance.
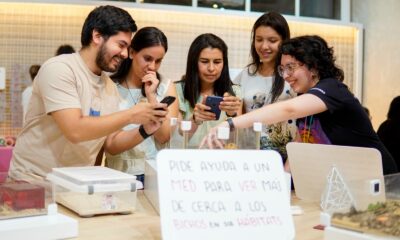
(134, 100)
(307, 129)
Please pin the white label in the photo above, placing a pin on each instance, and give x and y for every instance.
(2, 78)
(223, 133)
(223, 194)
(186, 125)
(109, 202)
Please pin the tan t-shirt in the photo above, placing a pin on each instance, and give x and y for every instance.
(62, 82)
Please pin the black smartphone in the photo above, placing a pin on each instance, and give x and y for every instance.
(213, 102)
(168, 100)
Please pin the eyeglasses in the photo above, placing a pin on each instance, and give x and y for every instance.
(289, 69)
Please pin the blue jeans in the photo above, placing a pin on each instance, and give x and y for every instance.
(140, 178)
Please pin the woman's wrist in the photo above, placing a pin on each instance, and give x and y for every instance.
(195, 121)
(143, 132)
(152, 98)
(231, 115)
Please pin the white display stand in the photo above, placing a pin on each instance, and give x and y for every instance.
(51, 226)
(360, 168)
(333, 233)
(151, 185)
(223, 194)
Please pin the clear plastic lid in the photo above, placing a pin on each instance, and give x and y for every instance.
(92, 179)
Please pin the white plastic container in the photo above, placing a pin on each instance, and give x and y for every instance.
(94, 190)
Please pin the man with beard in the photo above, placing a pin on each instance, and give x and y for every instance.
(74, 104)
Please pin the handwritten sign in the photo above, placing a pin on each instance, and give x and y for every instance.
(223, 194)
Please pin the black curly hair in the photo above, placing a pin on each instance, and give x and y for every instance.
(312, 51)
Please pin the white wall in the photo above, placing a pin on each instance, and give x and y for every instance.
(381, 20)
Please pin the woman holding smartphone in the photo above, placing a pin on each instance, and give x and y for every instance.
(207, 74)
(138, 80)
(260, 83)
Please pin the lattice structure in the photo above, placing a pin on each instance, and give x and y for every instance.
(337, 196)
(31, 32)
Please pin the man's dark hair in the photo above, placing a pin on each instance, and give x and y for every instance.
(108, 21)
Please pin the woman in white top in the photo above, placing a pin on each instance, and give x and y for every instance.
(137, 80)
(260, 83)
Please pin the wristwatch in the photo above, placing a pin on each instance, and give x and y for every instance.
(231, 124)
(143, 132)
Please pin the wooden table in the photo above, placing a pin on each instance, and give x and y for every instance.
(144, 224)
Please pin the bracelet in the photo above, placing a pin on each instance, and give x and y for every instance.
(143, 132)
(231, 124)
(231, 116)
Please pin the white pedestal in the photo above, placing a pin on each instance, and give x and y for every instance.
(332, 233)
(325, 219)
(151, 185)
(55, 226)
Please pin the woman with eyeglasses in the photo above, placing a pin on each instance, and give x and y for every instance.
(260, 83)
(326, 110)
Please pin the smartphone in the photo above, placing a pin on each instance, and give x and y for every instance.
(168, 100)
(213, 102)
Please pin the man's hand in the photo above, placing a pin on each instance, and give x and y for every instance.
(145, 113)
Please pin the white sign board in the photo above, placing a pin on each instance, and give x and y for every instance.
(223, 194)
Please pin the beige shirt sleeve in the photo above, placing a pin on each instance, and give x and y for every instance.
(57, 86)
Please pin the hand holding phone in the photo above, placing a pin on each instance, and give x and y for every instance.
(213, 102)
(168, 100)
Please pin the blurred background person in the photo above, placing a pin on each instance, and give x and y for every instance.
(389, 130)
(64, 49)
(368, 112)
(27, 93)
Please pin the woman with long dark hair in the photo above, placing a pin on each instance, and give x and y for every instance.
(207, 74)
(138, 80)
(261, 84)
